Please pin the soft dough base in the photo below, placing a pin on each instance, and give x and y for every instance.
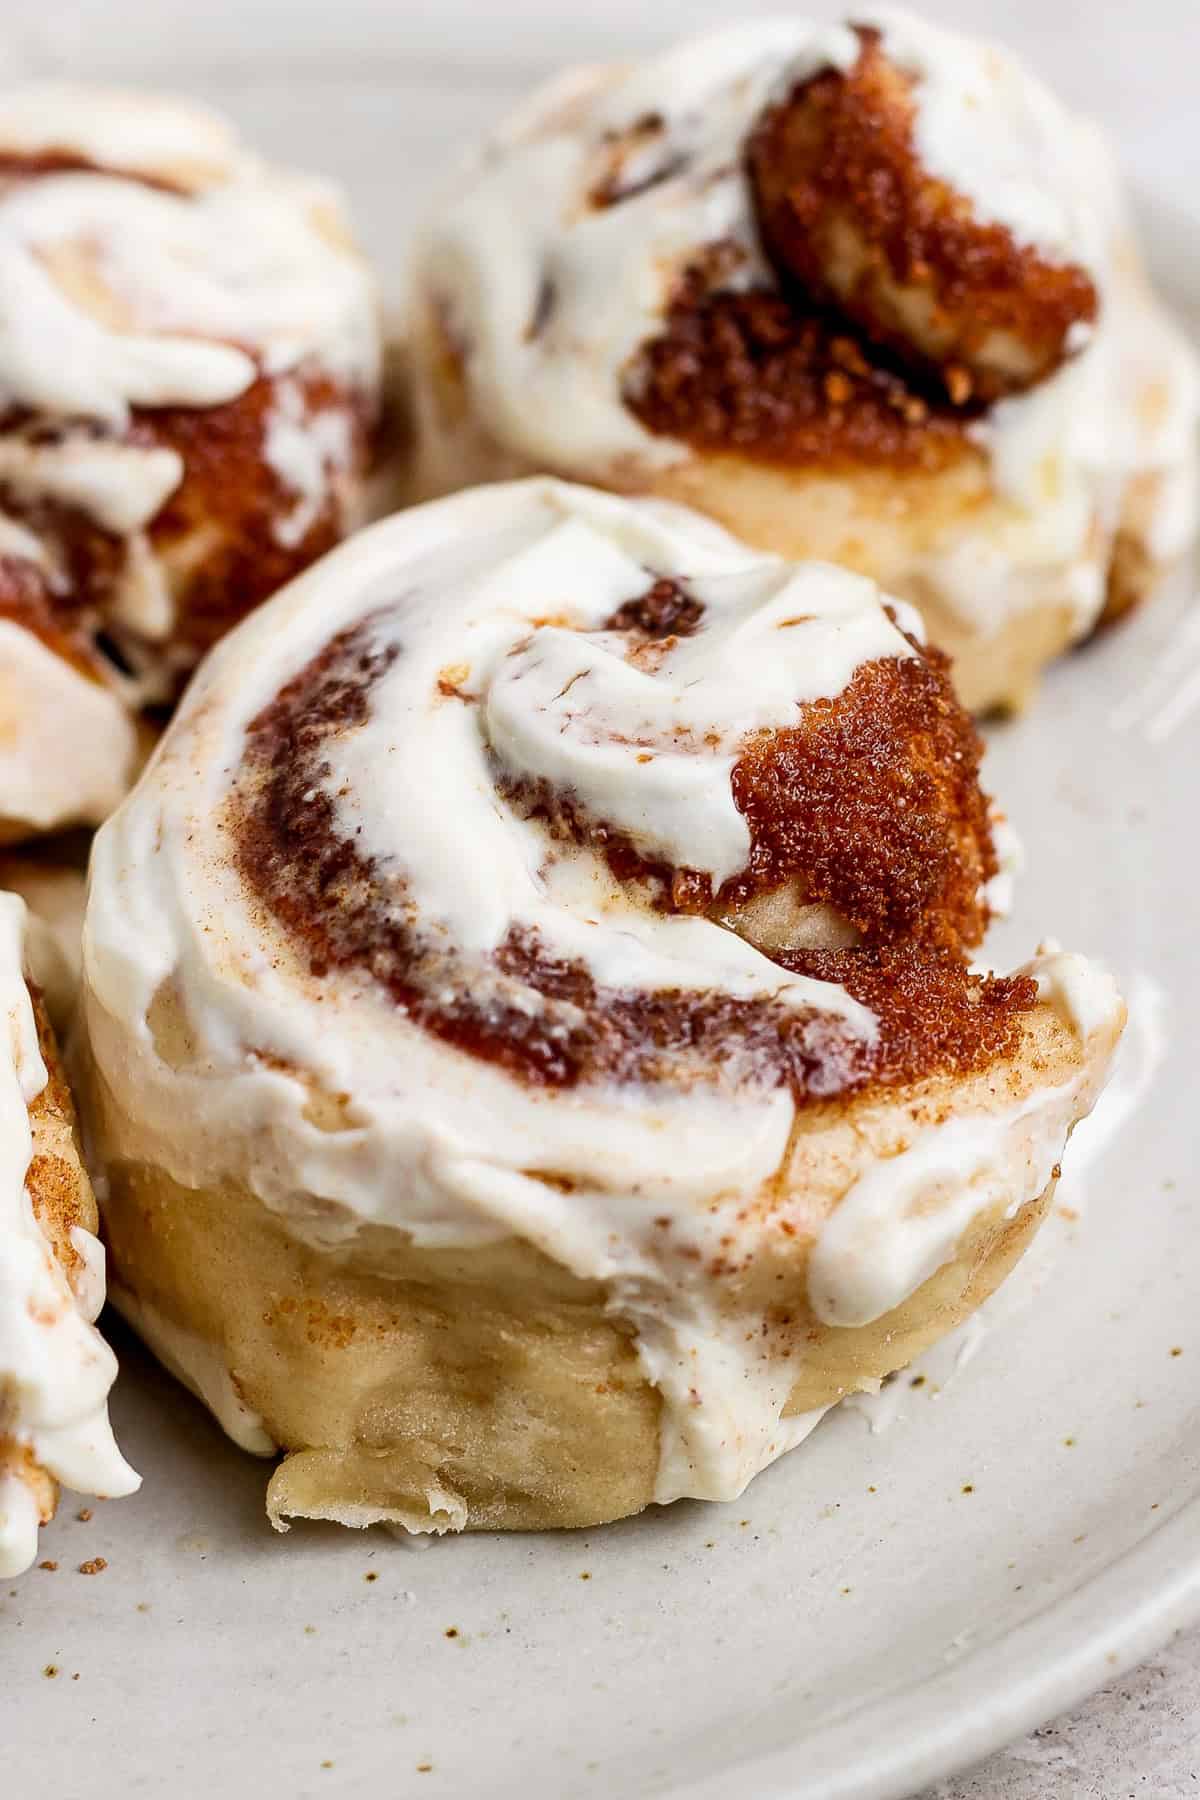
(489, 1388)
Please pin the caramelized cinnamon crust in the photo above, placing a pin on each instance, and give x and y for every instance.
(934, 1015)
(871, 805)
(874, 802)
(847, 211)
(780, 381)
(545, 1018)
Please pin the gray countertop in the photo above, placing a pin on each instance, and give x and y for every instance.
(1138, 1738)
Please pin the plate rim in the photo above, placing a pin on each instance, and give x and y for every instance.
(941, 1737)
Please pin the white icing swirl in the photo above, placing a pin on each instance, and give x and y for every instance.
(171, 298)
(55, 1369)
(172, 275)
(443, 1145)
(551, 296)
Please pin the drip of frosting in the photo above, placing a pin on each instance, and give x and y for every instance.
(55, 1369)
(449, 603)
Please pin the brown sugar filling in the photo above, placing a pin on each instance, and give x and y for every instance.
(833, 372)
(875, 797)
(544, 1018)
(665, 610)
(754, 372)
(229, 485)
(840, 147)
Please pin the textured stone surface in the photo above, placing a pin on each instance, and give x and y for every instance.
(1137, 1739)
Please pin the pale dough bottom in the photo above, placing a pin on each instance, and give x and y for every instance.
(489, 1387)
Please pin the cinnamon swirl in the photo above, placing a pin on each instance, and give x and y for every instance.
(862, 293)
(55, 1370)
(529, 1033)
(188, 383)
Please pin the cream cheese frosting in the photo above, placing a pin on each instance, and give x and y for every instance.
(548, 378)
(55, 1369)
(475, 596)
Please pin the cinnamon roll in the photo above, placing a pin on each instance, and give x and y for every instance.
(55, 1369)
(188, 384)
(866, 293)
(528, 1027)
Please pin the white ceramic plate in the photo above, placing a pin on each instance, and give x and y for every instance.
(881, 1607)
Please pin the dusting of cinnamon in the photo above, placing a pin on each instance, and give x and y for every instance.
(57, 1186)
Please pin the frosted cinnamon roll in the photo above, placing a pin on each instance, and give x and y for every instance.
(55, 1369)
(529, 1034)
(188, 384)
(866, 293)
